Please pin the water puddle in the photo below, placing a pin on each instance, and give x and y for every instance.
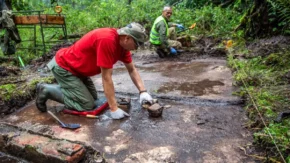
(173, 69)
(193, 88)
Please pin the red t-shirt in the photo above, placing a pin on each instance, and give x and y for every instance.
(98, 48)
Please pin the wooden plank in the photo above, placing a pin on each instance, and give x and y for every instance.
(29, 20)
(55, 19)
(34, 19)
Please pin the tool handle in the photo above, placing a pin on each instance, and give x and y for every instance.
(183, 30)
(56, 118)
(92, 116)
(21, 62)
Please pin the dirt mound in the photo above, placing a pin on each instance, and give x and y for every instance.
(6, 71)
(265, 47)
(40, 63)
(201, 48)
(48, 56)
(18, 87)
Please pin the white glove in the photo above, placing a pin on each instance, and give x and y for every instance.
(144, 96)
(118, 114)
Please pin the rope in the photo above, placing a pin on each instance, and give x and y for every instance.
(259, 113)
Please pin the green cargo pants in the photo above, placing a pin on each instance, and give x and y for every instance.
(79, 93)
(172, 38)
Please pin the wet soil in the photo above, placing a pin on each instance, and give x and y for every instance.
(20, 77)
(4, 158)
(265, 47)
(11, 75)
(203, 124)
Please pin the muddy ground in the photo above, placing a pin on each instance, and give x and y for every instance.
(203, 124)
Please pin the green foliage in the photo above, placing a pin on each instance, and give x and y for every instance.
(6, 91)
(277, 60)
(263, 85)
(263, 18)
(83, 16)
(196, 4)
(242, 5)
(13, 91)
(34, 82)
(210, 20)
(21, 5)
(280, 12)
(192, 4)
(280, 133)
(215, 21)
(26, 49)
(262, 71)
(253, 72)
(266, 102)
(110, 13)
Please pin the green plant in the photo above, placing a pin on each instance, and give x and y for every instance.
(266, 93)
(281, 9)
(6, 91)
(214, 21)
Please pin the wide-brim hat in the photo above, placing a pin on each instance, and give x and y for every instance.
(136, 31)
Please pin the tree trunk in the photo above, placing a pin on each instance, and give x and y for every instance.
(256, 22)
(9, 4)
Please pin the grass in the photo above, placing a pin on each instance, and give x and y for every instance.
(265, 87)
(14, 91)
(88, 15)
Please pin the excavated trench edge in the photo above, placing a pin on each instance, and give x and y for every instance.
(188, 100)
(134, 96)
(89, 154)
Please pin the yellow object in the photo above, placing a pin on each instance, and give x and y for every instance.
(229, 44)
(58, 9)
(192, 26)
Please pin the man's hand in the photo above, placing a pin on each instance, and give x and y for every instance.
(179, 26)
(144, 96)
(173, 51)
(119, 114)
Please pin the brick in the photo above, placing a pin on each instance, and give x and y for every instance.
(38, 148)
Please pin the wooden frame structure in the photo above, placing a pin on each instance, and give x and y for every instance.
(31, 19)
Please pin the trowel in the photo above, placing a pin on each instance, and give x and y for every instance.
(64, 125)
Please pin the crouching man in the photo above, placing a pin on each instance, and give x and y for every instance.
(95, 53)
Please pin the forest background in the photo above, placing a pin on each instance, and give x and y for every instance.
(263, 79)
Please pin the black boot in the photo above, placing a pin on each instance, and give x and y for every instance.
(161, 53)
(45, 92)
(179, 51)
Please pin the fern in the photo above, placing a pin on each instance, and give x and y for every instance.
(282, 8)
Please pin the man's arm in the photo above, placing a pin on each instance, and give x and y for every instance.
(109, 89)
(162, 30)
(135, 77)
(179, 26)
(171, 24)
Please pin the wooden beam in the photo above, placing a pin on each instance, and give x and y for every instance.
(55, 20)
(35, 19)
